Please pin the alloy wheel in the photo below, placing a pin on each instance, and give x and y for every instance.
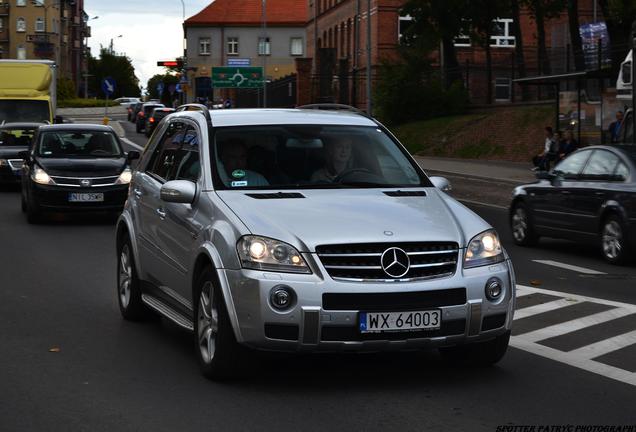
(612, 240)
(125, 276)
(208, 322)
(520, 224)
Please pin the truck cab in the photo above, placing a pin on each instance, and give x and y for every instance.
(27, 91)
(624, 92)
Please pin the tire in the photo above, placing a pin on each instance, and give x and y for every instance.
(131, 306)
(33, 212)
(614, 240)
(23, 202)
(219, 354)
(523, 233)
(480, 354)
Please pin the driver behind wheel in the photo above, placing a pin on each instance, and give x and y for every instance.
(338, 159)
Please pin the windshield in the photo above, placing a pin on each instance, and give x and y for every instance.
(13, 111)
(275, 157)
(16, 137)
(93, 144)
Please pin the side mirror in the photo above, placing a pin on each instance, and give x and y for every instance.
(545, 175)
(441, 183)
(178, 191)
(133, 155)
(24, 154)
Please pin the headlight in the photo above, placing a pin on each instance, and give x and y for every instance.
(41, 177)
(262, 253)
(483, 249)
(125, 177)
(3, 162)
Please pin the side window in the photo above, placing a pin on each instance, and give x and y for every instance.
(162, 160)
(622, 172)
(571, 166)
(187, 164)
(601, 164)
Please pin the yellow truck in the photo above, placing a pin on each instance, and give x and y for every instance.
(27, 91)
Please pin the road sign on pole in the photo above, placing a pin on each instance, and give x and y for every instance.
(160, 88)
(108, 86)
(237, 77)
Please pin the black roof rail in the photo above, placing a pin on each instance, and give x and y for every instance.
(196, 107)
(334, 107)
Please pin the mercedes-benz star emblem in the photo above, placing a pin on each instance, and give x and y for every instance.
(395, 262)
(85, 182)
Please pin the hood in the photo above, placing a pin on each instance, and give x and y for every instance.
(353, 216)
(11, 152)
(82, 167)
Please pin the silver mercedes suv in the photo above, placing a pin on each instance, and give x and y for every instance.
(306, 230)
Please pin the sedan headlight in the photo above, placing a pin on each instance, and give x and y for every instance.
(262, 253)
(125, 177)
(4, 162)
(483, 249)
(41, 177)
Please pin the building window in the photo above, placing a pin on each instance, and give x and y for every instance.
(502, 89)
(20, 3)
(296, 46)
(404, 22)
(0, 23)
(20, 25)
(21, 53)
(39, 25)
(204, 46)
(264, 46)
(232, 46)
(502, 33)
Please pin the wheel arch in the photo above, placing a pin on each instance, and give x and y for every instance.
(609, 208)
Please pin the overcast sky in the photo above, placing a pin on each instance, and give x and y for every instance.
(151, 30)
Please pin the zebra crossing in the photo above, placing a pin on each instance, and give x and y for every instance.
(589, 333)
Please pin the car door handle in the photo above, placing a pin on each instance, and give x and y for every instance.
(162, 213)
(600, 193)
(138, 193)
(566, 192)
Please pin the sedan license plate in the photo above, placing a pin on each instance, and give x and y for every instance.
(376, 322)
(86, 197)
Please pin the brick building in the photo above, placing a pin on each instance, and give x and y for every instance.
(45, 29)
(337, 47)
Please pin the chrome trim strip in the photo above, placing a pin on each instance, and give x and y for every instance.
(433, 264)
(432, 252)
(337, 267)
(338, 255)
(15, 164)
(87, 178)
(166, 311)
(439, 276)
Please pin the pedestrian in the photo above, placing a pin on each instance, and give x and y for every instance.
(615, 127)
(567, 146)
(541, 161)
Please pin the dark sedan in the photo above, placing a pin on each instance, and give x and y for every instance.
(588, 197)
(155, 117)
(75, 168)
(14, 138)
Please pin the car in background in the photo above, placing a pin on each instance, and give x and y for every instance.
(132, 110)
(238, 230)
(126, 101)
(14, 138)
(144, 113)
(75, 168)
(155, 117)
(588, 197)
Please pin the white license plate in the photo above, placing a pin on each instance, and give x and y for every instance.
(86, 197)
(375, 322)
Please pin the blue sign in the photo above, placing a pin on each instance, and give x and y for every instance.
(178, 88)
(239, 62)
(108, 86)
(597, 50)
(160, 88)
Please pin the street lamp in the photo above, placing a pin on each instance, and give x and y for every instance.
(86, 74)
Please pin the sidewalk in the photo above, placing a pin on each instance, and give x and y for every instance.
(494, 171)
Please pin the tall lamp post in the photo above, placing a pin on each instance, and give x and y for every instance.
(264, 47)
(86, 74)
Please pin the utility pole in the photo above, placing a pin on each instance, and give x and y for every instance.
(369, 102)
(264, 47)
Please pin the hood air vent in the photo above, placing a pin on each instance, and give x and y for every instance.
(279, 195)
(401, 193)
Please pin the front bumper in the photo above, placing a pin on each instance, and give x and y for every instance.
(311, 325)
(9, 175)
(56, 198)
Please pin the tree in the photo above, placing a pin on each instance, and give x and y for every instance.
(619, 15)
(575, 35)
(438, 22)
(543, 10)
(118, 67)
(520, 60)
(168, 80)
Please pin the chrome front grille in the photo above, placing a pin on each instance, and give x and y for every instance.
(77, 181)
(361, 262)
(16, 164)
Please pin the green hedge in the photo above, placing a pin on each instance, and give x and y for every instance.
(84, 103)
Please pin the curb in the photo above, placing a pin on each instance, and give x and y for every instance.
(479, 178)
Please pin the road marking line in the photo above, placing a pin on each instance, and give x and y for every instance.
(605, 346)
(569, 267)
(628, 306)
(576, 324)
(522, 291)
(543, 307)
(132, 144)
(482, 204)
(573, 360)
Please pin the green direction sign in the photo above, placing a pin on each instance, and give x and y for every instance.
(237, 77)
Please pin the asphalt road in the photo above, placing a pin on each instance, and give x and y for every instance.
(70, 362)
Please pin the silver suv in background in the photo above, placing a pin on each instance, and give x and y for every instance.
(306, 230)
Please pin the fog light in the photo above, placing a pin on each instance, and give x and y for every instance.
(281, 297)
(494, 289)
